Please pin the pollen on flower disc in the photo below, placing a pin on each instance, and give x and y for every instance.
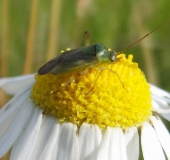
(109, 94)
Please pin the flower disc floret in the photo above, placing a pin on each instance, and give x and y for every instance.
(107, 94)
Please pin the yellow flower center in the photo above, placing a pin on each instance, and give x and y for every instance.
(107, 94)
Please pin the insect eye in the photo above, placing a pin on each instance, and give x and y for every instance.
(113, 58)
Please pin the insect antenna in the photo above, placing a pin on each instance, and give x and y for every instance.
(141, 39)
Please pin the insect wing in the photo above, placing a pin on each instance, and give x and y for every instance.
(46, 68)
(79, 60)
(70, 60)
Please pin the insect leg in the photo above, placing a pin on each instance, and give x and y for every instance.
(69, 82)
(86, 37)
(95, 82)
(117, 77)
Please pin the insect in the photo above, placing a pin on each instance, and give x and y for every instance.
(78, 58)
(83, 57)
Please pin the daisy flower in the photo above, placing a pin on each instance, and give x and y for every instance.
(105, 112)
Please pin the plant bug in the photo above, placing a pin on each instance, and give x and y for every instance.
(83, 57)
(78, 58)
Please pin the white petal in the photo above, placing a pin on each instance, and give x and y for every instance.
(50, 145)
(6, 123)
(113, 145)
(162, 105)
(166, 116)
(46, 139)
(162, 134)
(164, 111)
(159, 108)
(159, 92)
(13, 85)
(23, 147)
(68, 148)
(13, 104)
(53, 153)
(161, 97)
(150, 144)
(89, 137)
(16, 127)
(45, 130)
(132, 143)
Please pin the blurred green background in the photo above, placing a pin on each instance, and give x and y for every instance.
(32, 32)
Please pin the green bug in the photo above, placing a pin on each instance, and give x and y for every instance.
(83, 57)
(78, 58)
